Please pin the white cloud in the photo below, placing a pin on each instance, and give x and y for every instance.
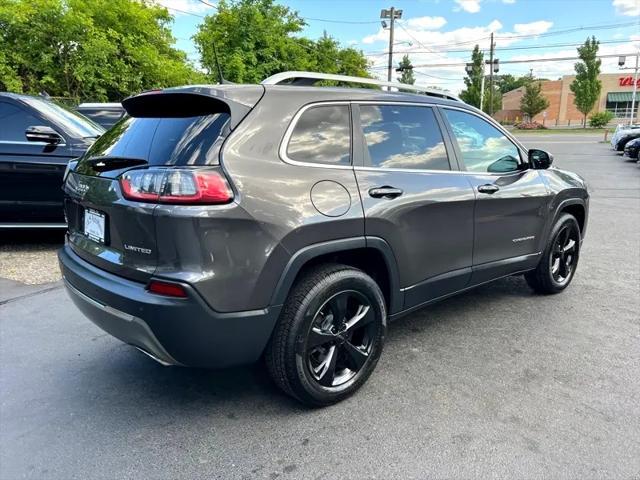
(532, 28)
(509, 1)
(629, 8)
(189, 6)
(426, 23)
(469, 6)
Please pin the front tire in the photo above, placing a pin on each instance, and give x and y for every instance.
(560, 258)
(329, 336)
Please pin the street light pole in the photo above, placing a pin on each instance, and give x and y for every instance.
(635, 90)
(391, 14)
(621, 62)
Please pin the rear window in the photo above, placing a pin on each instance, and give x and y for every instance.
(165, 141)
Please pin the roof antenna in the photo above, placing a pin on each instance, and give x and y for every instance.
(215, 55)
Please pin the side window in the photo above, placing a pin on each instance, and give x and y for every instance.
(403, 137)
(14, 121)
(484, 148)
(322, 135)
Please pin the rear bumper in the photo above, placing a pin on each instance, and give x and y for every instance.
(174, 331)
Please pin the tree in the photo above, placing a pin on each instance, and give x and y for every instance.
(473, 81)
(86, 50)
(586, 87)
(533, 102)
(257, 38)
(508, 82)
(407, 71)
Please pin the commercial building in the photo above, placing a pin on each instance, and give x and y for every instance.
(615, 96)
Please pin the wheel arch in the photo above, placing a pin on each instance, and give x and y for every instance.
(371, 254)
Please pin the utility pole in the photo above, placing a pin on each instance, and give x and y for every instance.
(391, 14)
(491, 76)
(621, 62)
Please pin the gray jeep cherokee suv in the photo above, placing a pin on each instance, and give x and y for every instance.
(218, 224)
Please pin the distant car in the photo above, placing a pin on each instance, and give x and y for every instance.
(38, 138)
(631, 148)
(622, 134)
(105, 114)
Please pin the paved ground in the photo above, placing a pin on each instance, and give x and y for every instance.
(494, 383)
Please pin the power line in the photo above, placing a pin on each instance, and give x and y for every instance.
(208, 4)
(503, 49)
(530, 60)
(418, 41)
(182, 11)
(329, 20)
(570, 30)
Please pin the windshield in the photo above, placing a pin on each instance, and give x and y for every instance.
(77, 124)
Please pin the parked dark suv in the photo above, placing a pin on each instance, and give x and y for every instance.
(37, 139)
(215, 225)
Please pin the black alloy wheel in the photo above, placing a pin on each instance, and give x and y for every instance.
(559, 260)
(564, 254)
(329, 336)
(340, 339)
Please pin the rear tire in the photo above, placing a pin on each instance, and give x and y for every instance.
(329, 336)
(559, 259)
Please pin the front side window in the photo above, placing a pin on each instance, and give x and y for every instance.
(322, 135)
(15, 121)
(405, 137)
(484, 148)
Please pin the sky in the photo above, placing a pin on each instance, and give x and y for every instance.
(437, 33)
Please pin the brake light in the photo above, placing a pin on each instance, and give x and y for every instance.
(167, 289)
(183, 186)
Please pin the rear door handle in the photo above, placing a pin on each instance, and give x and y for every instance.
(385, 192)
(489, 188)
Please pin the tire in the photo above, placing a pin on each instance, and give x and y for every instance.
(560, 258)
(327, 342)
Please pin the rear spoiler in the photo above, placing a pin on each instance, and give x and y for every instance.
(236, 100)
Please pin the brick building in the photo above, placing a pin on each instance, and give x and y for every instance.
(615, 97)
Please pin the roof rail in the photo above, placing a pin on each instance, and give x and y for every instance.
(309, 78)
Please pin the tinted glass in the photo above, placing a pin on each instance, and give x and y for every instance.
(73, 122)
(322, 135)
(403, 137)
(14, 121)
(165, 141)
(484, 148)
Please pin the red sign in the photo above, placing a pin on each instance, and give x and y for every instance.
(627, 81)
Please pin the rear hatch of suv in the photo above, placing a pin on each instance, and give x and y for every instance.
(166, 151)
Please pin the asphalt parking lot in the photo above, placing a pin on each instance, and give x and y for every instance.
(497, 382)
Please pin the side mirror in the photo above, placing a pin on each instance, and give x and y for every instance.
(539, 159)
(43, 134)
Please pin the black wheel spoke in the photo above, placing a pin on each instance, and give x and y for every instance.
(356, 357)
(317, 337)
(363, 315)
(328, 370)
(339, 308)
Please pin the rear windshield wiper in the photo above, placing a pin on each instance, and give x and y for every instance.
(105, 164)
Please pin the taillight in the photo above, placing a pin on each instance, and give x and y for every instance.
(164, 185)
(167, 289)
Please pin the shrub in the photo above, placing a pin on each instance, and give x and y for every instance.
(600, 119)
(530, 126)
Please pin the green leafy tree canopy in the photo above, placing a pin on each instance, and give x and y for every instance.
(257, 38)
(586, 87)
(533, 101)
(407, 75)
(473, 81)
(88, 50)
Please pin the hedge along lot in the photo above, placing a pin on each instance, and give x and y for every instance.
(29, 256)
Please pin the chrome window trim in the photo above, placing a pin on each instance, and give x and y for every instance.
(292, 124)
(27, 142)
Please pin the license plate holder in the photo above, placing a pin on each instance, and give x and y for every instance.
(94, 225)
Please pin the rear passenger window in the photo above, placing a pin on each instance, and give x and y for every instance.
(322, 135)
(402, 137)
